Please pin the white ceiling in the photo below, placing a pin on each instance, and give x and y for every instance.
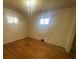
(42, 5)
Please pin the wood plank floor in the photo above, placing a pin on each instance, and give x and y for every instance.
(30, 48)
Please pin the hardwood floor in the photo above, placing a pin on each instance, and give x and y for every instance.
(30, 48)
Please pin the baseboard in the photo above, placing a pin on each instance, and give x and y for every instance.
(14, 41)
(46, 43)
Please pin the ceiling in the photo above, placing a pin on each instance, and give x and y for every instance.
(42, 5)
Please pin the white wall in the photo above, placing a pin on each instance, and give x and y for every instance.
(59, 30)
(13, 32)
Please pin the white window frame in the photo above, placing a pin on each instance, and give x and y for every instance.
(12, 20)
(44, 21)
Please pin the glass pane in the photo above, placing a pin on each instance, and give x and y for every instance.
(15, 20)
(46, 21)
(10, 19)
(42, 21)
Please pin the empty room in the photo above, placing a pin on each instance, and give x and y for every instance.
(39, 29)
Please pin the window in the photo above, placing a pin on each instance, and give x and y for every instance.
(44, 21)
(12, 20)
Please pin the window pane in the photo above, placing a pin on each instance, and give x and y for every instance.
(42, 21)
(10, 19)
(15, 20)
(46, 21)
